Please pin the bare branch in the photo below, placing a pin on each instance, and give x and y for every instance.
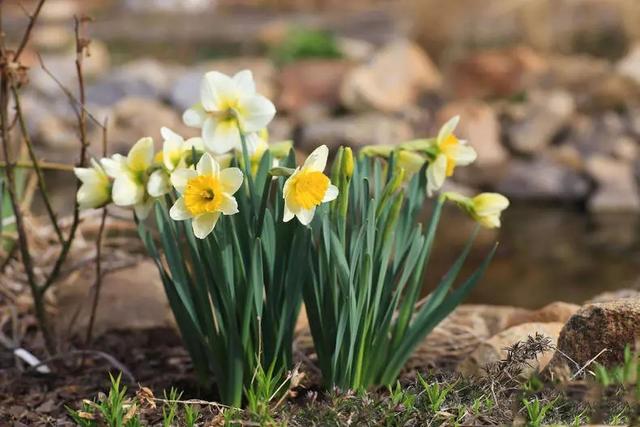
(27, 34)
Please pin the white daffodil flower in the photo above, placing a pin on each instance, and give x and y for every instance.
(205, 194)
(307, 187)
(226, 103)
(130, 177)
(449, 153)
(95, 190)
(485, 208)
(175, 153)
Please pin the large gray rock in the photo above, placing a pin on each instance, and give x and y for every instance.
(393, 79)
(540, 120)
(355, 131)
(142, 78)
(543, 179)
(617, 189)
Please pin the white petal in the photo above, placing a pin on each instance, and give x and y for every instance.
(113, 166)
(158, 184)
(436, 174)
(142, 209)
(194, 116)
(195, 142)
(331, 194)
(448, 128)
(229, 205)
(126, 192)
(288, 215)
(215, 89)
(85, 175)
(180, 177)
(287, 183)
(140, 156)
(220, 137)
(317, 160)
(465, 155)
(207, 165)
(178, 211)
(244, 82)
(257, 112)
(231, 179)
(203, 224)
(169, 135)
(305, 216)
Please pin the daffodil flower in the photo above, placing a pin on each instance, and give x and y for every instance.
(227, 103)
(308, 187)
(205, 194)
(176, 151)
(411, 162)
(449, 152)
(485, 208)
(95, 190)
(130, 175)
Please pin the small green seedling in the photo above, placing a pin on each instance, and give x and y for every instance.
(537, 411)
(435, 393)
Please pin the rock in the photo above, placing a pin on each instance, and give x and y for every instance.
(142, 78)
(625, 148)
(554, 312)
(495, 348)
(611, 92)
(629, 66)
(542, 179)
(355, 131)
(544, 115)
(355, 49)
(461, 332)
(186, 89)
(577, 72)
(497, 73)
(130, 298)
(595, 327)
(134, 118)
(480, 127)
(311, 82)
(393, 79)
(617, 189)
(614, 296)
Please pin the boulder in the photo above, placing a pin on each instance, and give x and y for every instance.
(355, 131)
(542, 179)
(497, 73)
(629, 66)
(596, 327)
(134, 118)
(311, 82)
(142, 78)
(495, 348)
(617, 189)
(186, 89)
(540, 120)
(615, 295)
(551, 313)
(392, 80)
(130, 298)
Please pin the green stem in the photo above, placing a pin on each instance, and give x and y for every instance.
(263, 204)
(247, 166)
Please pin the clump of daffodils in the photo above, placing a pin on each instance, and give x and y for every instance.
(232, 260)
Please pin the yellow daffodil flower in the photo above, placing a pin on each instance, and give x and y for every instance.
(225, 103)
(411, 162)
(307, 187)
(449, 153)
(485, 208)
(205, 194)
(95, 190)
(130, 175)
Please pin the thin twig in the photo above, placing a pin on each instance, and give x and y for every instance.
(586, 365)
(42, 164)
(36, 166)
(12, 191)
(84, 143)
(98, 282)
(27, 33)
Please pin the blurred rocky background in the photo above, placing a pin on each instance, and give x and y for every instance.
(548, 91)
